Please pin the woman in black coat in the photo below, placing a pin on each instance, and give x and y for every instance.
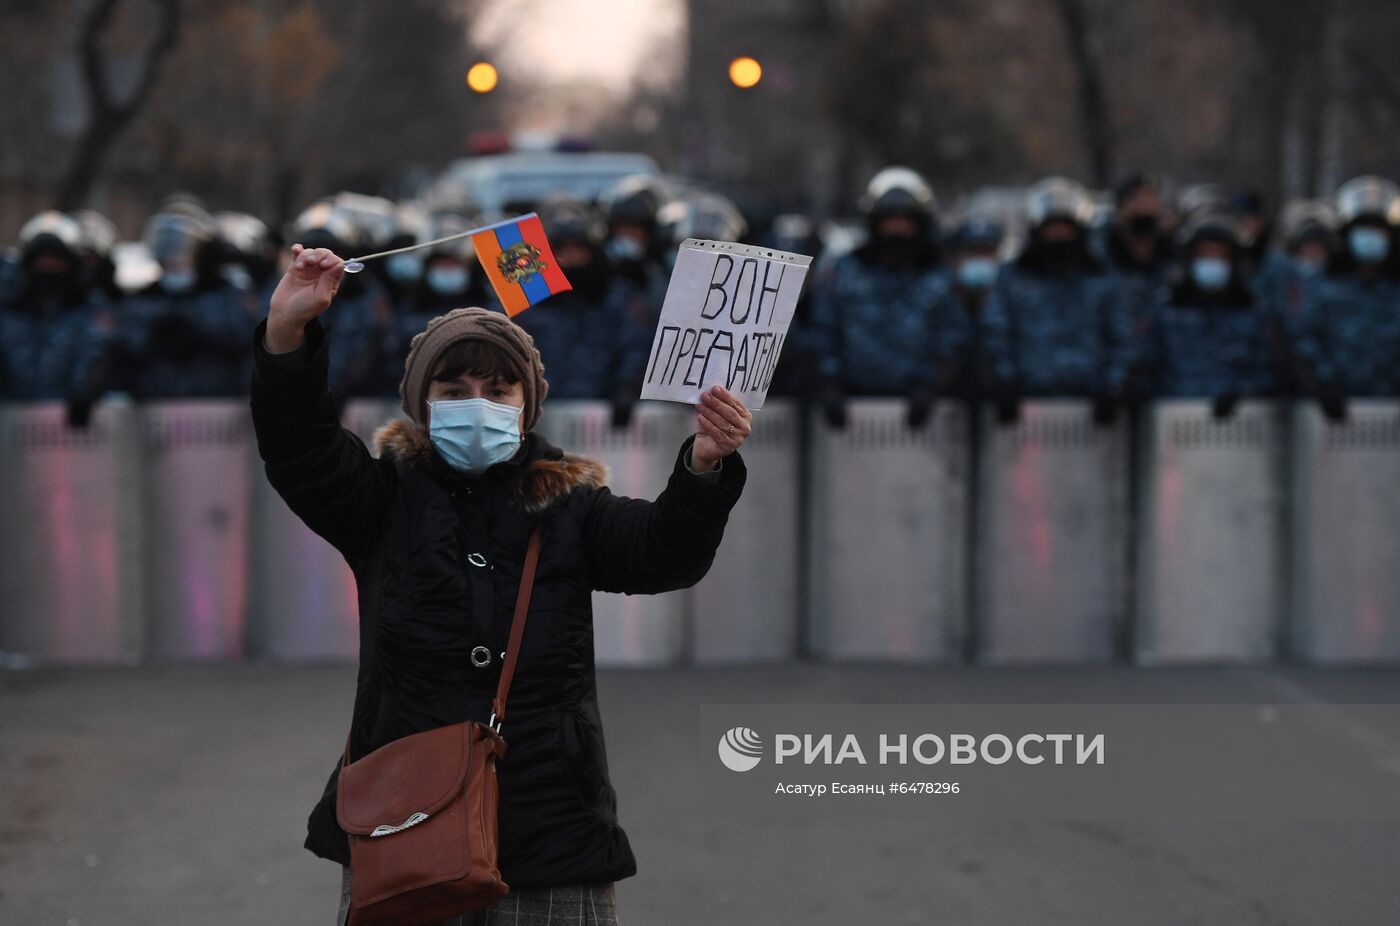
(435, 530)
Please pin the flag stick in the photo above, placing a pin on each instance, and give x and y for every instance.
(356, 264)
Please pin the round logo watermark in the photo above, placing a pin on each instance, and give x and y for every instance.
(740, 749)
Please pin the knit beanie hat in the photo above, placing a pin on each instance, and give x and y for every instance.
(496, 328)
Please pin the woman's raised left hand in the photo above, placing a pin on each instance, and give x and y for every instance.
(723, 424)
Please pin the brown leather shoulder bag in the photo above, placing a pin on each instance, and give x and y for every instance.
(421, 812)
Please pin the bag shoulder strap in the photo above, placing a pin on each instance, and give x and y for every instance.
(517, 629)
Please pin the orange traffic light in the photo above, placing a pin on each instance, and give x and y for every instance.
(745, 72)
(482, 77)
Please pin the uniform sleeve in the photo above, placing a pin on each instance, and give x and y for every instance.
(360, 334)
(637, 546)
(950, 337)
(215, 322)
(1151, 371)
(634, 333)
(91, 370)
(823, 329)
(996, 337)
(321, 470)
(1265, 371)
(1310, 348)
(1122, 336)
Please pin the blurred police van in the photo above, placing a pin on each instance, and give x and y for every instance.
(515, 179)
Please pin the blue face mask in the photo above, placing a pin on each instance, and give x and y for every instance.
(1210, 274)
(177, 281)
(1368, 245)
(237, 276)
(447, 280)
(977, 272)
(472, 434)
(404, 268)
(1307, 268)
(624, 249)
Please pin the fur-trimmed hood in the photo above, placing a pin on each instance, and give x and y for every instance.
(544, 476)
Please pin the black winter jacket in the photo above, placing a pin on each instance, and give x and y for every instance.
(437, 556)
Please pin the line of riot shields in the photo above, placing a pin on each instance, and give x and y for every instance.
(1120, 432)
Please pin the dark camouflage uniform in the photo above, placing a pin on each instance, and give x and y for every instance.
(1140, 286)
(1281, 287)
(50, 355)
(10, 278)
(191, 345)
(364, 327)
(1057, 335)
(592, 348)
(1199, 351)
(1348, 334)
(876, 330)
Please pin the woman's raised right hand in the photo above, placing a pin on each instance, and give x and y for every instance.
(305, 291)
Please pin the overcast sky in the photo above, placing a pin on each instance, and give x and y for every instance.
(602, 40)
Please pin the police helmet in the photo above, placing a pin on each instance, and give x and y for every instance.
(1203, 197)
(1368, 197)
(1213, 226)
(190, 206)
(898, 191)
(635, 199)
(975, 232)
(703, 215)
(323, 225)
(1058, 198)
(1307, 217)
(569, 218)
(244, 234)
(99, 234)
(169, 235)
(55, 228)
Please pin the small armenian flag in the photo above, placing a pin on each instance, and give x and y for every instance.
(516, 257)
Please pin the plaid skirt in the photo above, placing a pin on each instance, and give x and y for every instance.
(570, 905)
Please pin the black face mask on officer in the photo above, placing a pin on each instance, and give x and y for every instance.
(583, 264)
(897, 237)
(53, 276)
(1142, 225)
(1060, 245)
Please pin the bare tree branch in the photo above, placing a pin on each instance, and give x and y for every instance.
(108, 118)
(1093, 108)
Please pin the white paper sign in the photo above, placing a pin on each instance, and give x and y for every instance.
(725, 318)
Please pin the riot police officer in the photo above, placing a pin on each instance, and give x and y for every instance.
(186, 334)
(1348, 333)
(1136, 246)
(52, 324)
(1053, 325)
(1211, 338)
(796, 234)
(243, 251)
(883, 320)
(1137, 243)
(99, 237)
(595, 338)
(402, 274)
(635, 244)
(699, 215)
(363, 320)
(974, 257)
(1308, 239)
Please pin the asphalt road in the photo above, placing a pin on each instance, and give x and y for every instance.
(179, 794)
